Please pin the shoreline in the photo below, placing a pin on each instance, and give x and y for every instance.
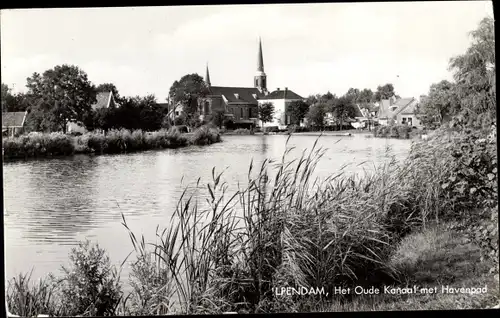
(58, 145)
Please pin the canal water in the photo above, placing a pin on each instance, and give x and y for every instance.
(52, 204)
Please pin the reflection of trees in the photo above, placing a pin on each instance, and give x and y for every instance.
(55, 200)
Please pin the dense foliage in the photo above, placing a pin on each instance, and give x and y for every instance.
(297, 111)
(393, 131)
(59, 95)
(266, 112)
(471, 98)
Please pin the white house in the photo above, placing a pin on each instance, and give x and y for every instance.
(104, 100)
(398, 111)
(280, 99)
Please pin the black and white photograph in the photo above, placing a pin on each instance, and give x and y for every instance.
(249, 159)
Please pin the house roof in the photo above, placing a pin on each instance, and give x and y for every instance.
(13, 119)
(402, 105)
(407, 106)
(103, 100)
(236, 95)
(281, 95)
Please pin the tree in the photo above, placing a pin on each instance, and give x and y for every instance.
(61, 94)
(297, 110)
(105, 119)
(441, 102)
(313, 99)
(365, 96)
(187, 91)
(266, 112)
(353, 94)
(327, 96)
(316, 115)
(474, 73)
(384, 92)
(218, 118)
(344, 109)
(5, 96)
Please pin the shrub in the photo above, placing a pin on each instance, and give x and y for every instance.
(97, 143)
(205, 136)
(38, 145)
(404, 131)
(137, 140)
(472, 172)
(90, 286)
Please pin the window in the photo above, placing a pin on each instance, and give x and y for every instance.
(410, 121)
(241, 111)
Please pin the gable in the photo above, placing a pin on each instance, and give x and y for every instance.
(13, 119)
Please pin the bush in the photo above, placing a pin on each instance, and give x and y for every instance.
(392, 131)
(38, 145)
(90, 285)
(205, 136)
(114, 141)
(471, 181)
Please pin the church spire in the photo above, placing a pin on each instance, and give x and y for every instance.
(207, 77)
(260, 78)
(260, 62)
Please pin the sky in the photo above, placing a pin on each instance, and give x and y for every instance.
(309, 48)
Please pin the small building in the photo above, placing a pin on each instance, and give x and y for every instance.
(280, 99)
(398, 111)
(406, 112)
(13, 123)
(104, 100)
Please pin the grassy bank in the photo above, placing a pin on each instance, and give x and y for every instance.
(115, 141)
(393, 227)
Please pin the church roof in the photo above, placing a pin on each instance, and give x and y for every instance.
(280, 94)
(237, 94)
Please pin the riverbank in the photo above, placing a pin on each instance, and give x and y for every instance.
(39, 145)
(349, 232)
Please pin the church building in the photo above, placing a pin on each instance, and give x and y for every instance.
(241, 103)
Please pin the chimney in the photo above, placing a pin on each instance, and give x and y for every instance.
(278, 89)
(286, 88)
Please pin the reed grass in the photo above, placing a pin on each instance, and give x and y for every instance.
(27, 299)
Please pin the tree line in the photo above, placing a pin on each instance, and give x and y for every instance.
(65, 94)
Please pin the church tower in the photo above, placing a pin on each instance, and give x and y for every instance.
(260, 79)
